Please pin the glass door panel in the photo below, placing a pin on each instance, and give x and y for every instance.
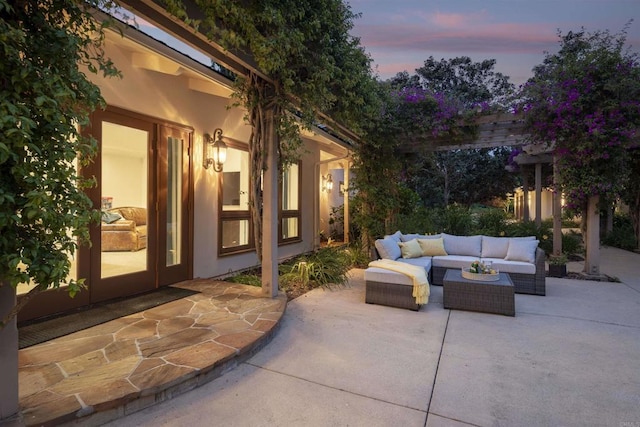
(173, 205)
(174, 201)
(124, 196)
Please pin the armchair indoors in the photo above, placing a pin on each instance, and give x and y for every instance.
(124, 229)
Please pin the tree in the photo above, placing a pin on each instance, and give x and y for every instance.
(473, 84)
(584, 101)
(631, 192)
(462, 88)
(45, 98)
(312, 65)
(463, 177)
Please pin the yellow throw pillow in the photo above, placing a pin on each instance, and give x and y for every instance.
(432, 247)
(410, 249)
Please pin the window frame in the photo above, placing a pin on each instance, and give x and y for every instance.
(235, 215)
(291, 213)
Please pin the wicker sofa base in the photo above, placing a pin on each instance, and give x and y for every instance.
(533, 284)
(488, 297)
(390, 294)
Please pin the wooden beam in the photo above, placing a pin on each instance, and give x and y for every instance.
(150, 10)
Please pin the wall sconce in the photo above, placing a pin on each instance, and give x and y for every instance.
(327, 183)
(215, 151)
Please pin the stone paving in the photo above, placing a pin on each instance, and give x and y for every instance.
(104, 372)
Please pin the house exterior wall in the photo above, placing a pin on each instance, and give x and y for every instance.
(167, 96)
(547, 204)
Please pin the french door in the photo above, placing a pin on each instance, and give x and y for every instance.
(144, 196)
(143, 189)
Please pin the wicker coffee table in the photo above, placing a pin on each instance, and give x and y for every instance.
(488, 297)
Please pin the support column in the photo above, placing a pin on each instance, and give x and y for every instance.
(9, 405)
(538, 194)
(557, 210)
(345, 179)
(592, 261)
(525, 196)
(270, 211)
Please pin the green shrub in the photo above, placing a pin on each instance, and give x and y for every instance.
(419, 220)
(325, 267)
(622, 236)
(250, 279)
(572, 243)
(454, 219)
(357, 255)
(490, 222)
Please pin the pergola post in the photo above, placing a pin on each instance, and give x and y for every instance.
(592, 261)
(270, 211)
(538, 194)
(345, 215)
(557, 210)
(525, 194)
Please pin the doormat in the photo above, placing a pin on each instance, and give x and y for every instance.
(37, 332)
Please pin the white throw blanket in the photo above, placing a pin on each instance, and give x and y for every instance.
(417, 274)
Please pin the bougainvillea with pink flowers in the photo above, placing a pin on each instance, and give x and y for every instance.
(585, 102)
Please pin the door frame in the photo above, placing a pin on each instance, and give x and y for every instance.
(44, 303)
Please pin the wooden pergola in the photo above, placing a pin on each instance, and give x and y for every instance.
(500, 130)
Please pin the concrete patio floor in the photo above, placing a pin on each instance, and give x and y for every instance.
(570, 358)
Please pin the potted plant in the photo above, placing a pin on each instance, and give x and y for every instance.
(558, 265)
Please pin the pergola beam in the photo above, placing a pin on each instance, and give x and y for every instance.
(496, 130)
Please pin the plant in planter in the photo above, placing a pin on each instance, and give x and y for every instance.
(557, 265)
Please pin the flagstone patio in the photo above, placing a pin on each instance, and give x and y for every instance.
(101, 373)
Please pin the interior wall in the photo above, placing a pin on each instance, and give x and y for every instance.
(118, 172)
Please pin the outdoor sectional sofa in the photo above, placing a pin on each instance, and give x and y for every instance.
(519, 256)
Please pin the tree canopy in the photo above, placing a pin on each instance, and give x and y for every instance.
(585, 102)
(44, 99)
(440, 97)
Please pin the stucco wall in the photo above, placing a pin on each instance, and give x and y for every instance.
(168, 97)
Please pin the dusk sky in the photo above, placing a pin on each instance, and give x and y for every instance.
(401, 34)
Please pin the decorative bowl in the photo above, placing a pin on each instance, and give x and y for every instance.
(489, 277)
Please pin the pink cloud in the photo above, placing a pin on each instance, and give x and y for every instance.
(512, 38)
(455, 20)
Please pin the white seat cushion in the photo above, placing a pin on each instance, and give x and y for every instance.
(511, 266)
(453, 261)
(375, 274)
(423, 261)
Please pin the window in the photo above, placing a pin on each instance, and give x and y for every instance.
(290, 205)
(235, 225)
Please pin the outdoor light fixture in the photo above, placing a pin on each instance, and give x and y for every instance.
(327, 183)
(215, 151)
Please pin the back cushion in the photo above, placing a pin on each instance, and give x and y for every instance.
(410, 249)
(463, 245)
(395, 236)
(522, 250)
(388, 248)
(432, 247)
(409, 237)
(494, 247)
